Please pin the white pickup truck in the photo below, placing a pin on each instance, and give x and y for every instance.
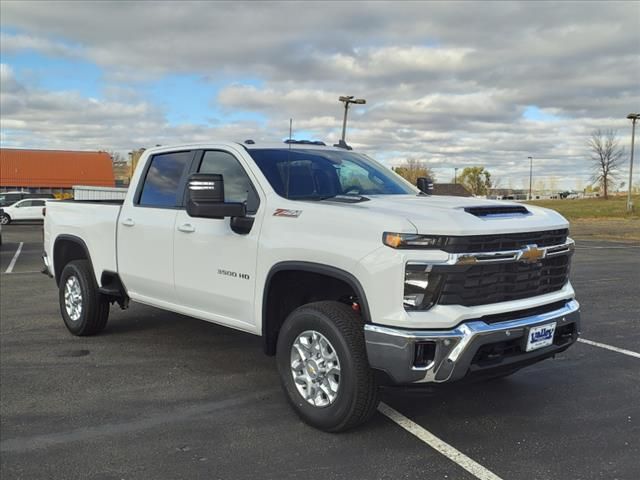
(352, 276)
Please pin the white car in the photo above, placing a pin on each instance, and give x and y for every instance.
(351, 275)
(28, 209)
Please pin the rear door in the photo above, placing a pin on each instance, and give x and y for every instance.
(146, 225)
(215, 268)
(37, 206)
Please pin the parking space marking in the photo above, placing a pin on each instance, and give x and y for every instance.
(610, 347)
(605, 247)
(437, 444)
(14, 259)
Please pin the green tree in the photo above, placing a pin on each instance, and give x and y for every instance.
(476, 179)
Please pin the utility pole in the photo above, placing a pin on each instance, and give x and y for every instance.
(347, 100)
(455, 175)
(530, 176)
(633, 117)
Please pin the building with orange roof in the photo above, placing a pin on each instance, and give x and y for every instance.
(53, 171)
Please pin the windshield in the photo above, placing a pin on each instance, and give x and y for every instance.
(317, 174)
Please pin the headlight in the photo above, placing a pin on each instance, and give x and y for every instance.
(412, 240)
(421, 286)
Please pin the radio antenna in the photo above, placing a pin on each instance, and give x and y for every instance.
(286, 194)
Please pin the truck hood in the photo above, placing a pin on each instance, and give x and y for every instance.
(443, 215)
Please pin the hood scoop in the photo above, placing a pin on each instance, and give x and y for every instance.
(498, 211)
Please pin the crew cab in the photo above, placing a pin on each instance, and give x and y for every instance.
(352, 276)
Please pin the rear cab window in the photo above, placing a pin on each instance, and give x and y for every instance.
(164, 180)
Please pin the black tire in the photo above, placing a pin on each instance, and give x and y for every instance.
(357, 397)
(95, 307)
(5, 219)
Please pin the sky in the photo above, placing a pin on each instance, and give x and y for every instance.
(449, 84)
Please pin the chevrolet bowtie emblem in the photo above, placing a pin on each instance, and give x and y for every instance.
(532, 254)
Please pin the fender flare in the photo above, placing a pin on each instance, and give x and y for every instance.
(74, 239)
(312, 267)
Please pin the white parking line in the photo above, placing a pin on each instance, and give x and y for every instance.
(13, 260)
(609, 347)
(598, 247)
(441, 446)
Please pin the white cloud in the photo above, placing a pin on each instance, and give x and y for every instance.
(445, 82)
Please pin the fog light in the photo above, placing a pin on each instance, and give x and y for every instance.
(424, 355)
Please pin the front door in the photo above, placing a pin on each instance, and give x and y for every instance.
(215, 267)
(145, 229)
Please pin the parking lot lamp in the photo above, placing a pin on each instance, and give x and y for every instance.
(347, 100)
(633, 117)
(530, 176)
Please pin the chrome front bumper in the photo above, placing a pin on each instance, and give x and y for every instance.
(393, 350)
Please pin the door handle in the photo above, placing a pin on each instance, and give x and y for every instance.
(128, 222)
(187, 228)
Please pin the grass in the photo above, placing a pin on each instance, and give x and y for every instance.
(593, 208)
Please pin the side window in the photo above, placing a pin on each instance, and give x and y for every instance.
(37, 203)
(237, 186)
(24, 203)
(160, 188)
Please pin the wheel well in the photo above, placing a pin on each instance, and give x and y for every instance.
(287, 290)
(66, 250)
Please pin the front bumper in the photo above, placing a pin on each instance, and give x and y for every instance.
(472, 347)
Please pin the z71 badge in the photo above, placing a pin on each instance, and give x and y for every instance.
(283, 212)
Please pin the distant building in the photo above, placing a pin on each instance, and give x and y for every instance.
(122, 173)
(53, 171)
(452, 189)
(507, 194)
(134, 156)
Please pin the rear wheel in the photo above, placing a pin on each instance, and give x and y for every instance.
(85, 311)
(323, 366)
(5, 219)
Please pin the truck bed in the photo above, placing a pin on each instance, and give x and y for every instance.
(94, 222)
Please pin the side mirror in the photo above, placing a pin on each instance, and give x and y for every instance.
(425, 185)
(205, 198)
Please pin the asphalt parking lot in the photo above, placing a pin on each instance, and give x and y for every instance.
(159, 395)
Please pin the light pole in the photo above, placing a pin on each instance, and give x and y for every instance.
(455, 175)
(633, 117)
(530, 176)
(347, 100)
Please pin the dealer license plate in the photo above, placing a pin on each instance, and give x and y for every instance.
(540, 336)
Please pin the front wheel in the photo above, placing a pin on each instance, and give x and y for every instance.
(5, 219)
(323, 366)
(84, 309)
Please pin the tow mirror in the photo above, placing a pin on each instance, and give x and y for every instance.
(205, 198)
(425, 185)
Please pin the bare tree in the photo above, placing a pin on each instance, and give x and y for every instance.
(607, 156)
(115, 156)
(413, 169)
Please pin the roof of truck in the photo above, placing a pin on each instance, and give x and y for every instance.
(284, 145)
(252, 145)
